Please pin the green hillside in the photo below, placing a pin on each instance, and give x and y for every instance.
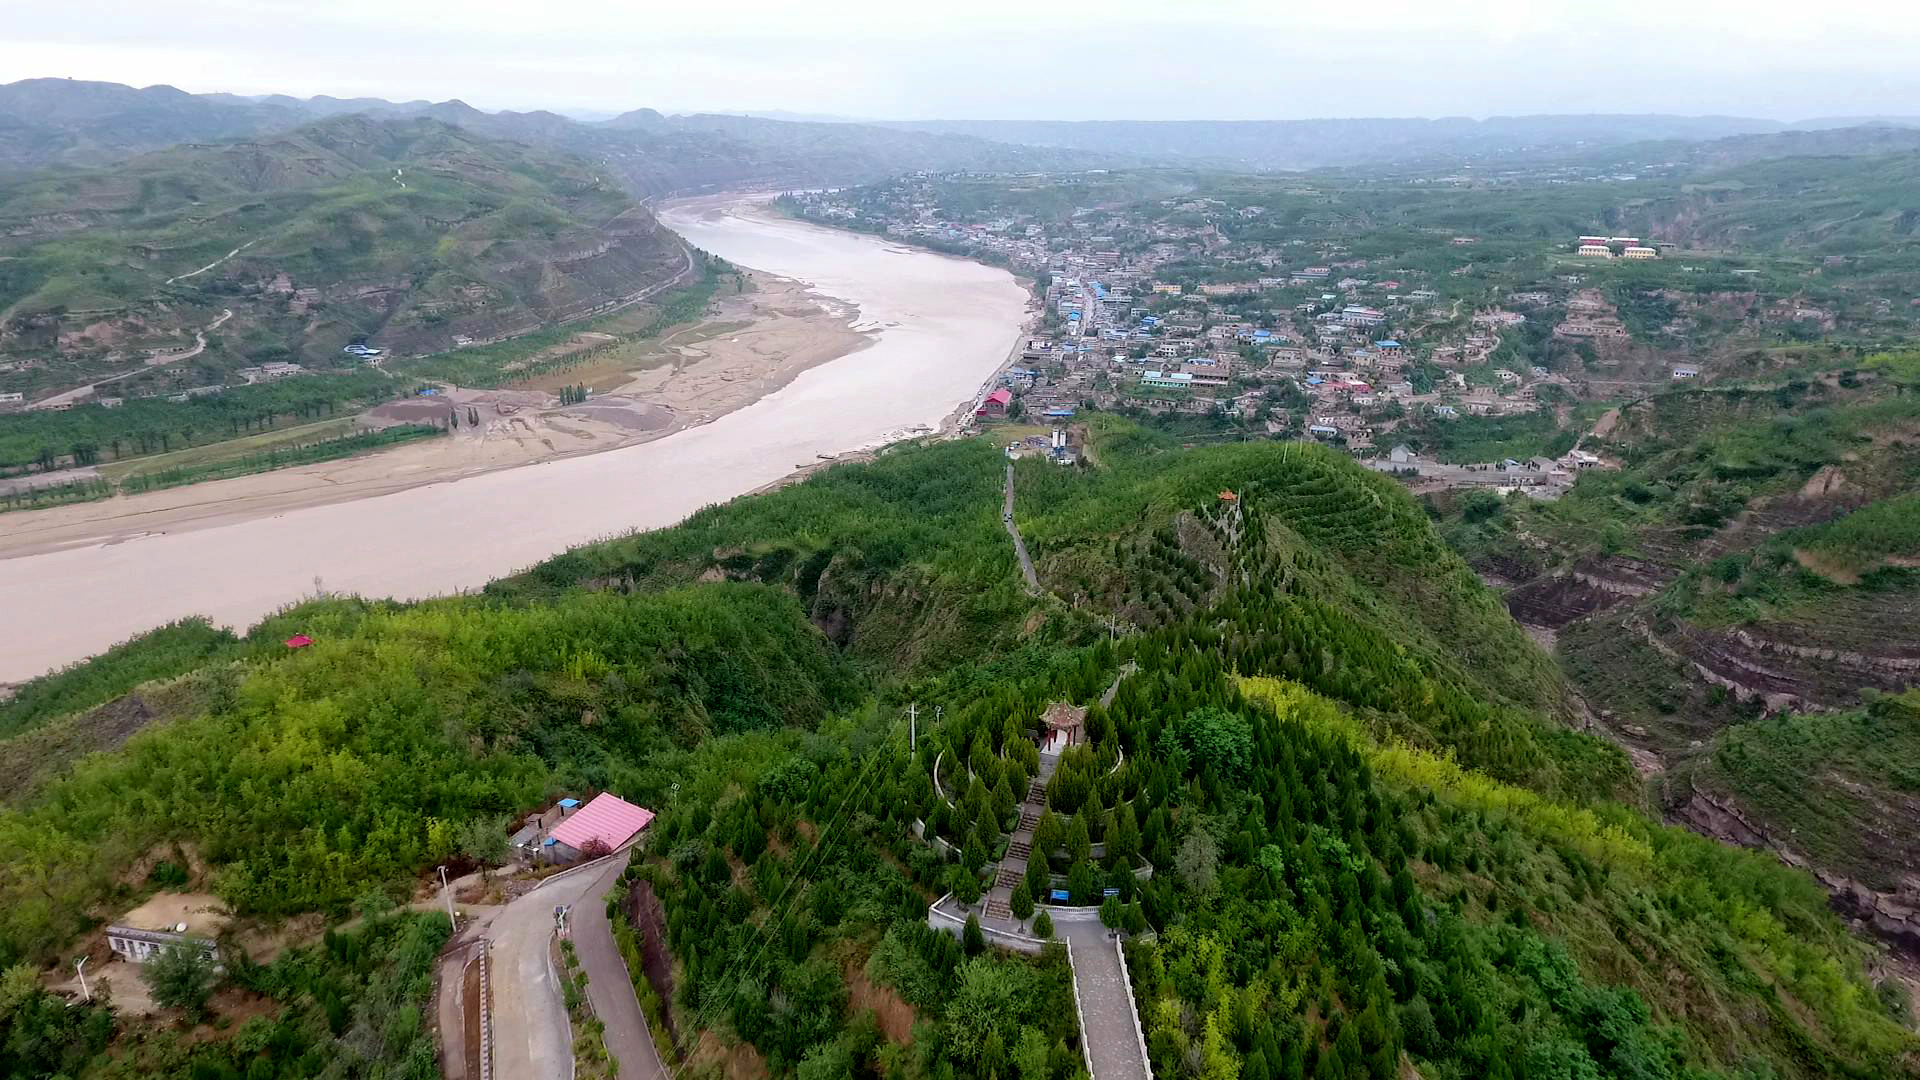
(1731, 603)
(1376, 844)
(412, 232)
(73, 122)
(1840, 789)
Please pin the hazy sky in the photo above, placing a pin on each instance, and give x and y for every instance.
(995, 59)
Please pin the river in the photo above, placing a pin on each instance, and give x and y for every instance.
(943, 326)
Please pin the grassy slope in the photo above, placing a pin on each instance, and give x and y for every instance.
(157, 654)
(321, 204)
(1716, 490)
(1842, 789)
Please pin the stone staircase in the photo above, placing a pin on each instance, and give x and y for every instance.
(1012, 868)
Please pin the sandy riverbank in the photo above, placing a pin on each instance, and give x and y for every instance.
(930, 330)
(748, 345)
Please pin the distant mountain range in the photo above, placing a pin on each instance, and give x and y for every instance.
(69, 122)
(1310, 144)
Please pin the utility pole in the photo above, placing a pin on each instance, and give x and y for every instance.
(913, 727)
(448, 893)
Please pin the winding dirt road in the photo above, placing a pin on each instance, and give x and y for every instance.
(79, 393)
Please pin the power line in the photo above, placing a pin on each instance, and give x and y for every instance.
(820, 843)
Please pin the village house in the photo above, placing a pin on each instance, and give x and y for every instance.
(1498, 317)
(268, 372)
(567, 831)
(1340, 421)
(167, 920)
(606, 821)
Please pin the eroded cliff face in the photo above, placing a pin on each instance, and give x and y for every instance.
(1892, 914)
(1663, 688)
(1594, 584)
(1775, 663)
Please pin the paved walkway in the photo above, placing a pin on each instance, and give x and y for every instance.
(1112, 1036)
(531, 1036)
(609, 985)
(531, 1040)
(1019, 545)
(452, 1011)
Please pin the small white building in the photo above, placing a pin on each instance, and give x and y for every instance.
(167, 920)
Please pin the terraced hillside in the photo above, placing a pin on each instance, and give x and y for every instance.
(1758, 556)
(1837, 793)
(414, 233)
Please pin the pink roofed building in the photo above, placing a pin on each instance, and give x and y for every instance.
(607, 818)
(996, 403)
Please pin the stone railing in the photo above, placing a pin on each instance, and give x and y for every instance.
(486, 1012)
(943, 847)
(1133, 1007)
(940, 919)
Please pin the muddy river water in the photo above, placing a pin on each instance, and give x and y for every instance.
(941, 325)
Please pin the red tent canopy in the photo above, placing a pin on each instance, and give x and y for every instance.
(299, 641)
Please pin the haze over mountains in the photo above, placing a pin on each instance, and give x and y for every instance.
(1297, 144)
(72, 122)
(68, 122)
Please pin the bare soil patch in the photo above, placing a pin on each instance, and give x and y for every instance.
(894, 1015)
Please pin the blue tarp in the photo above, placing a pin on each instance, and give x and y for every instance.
(1058, 894)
